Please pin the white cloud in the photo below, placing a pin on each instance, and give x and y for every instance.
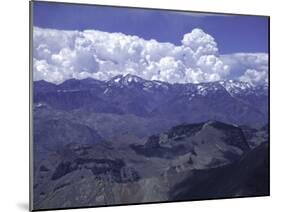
(61, 55)
(200, 43)
(250, 67)
(254, 77)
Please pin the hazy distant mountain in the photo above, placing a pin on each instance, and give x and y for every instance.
(227, 101)
(54, 134)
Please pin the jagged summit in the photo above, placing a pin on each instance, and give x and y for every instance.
(233, 87)
(190, 90)
(227, 101)
(126, 79)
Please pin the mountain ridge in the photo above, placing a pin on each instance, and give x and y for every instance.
(130, 78)
(232, 87)
(228, 101)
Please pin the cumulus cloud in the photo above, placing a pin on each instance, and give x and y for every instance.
(254, 77)
(249, 67)
(59, 55)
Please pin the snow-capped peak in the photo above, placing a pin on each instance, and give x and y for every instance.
(126, 79)
(232, 87)
(235, 87)
(129, 78)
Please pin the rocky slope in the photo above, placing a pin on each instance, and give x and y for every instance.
(168, 166)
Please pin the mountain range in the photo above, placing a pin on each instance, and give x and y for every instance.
(228, 101)
(130, 140)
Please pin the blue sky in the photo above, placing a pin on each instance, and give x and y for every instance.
(206, 45)
(232, 33)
